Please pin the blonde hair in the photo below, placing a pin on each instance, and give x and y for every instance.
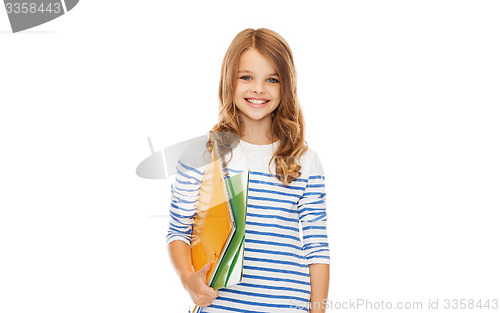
(287, 120)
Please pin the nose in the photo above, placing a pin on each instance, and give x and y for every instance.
(258, 87)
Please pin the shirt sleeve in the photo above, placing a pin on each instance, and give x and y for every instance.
(185, 190)
(313, 217)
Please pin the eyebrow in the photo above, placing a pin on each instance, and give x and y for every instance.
(246, 71)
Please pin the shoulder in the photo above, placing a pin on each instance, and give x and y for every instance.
(189, 157)
(310, 163)
(309, 158)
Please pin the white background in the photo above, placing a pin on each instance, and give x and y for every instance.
(401, 101)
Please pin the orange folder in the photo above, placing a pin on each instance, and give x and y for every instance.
(214, 222)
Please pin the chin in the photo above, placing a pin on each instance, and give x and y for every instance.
(256, 117)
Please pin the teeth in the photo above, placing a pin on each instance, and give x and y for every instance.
(256, 101)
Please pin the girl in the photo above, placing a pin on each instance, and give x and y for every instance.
(286, 251)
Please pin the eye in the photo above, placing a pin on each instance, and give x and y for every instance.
(273, 80)
(246, 77)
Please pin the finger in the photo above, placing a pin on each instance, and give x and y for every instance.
(204, 301)
(204, 297)
(203, 272)
(206, 268)
(212, 293)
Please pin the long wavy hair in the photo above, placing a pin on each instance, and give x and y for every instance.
(287, 119)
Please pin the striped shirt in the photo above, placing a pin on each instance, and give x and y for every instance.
(285, 230)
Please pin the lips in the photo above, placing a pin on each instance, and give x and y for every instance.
(257, 102)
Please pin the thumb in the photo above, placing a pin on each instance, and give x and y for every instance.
(204, 270)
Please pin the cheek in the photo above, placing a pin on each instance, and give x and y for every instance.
(238, 91)
(277, 93)
(237, 97)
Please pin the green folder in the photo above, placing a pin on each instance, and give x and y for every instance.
(230, 269)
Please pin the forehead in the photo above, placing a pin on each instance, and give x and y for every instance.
(253, 61)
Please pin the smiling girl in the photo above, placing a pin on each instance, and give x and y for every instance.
(283, 270)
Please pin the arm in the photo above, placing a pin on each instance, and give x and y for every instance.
(185, 190)
(313, 217)
(194, 282)
(180, 256)
(320, 280)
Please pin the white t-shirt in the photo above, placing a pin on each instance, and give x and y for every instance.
(257, 156)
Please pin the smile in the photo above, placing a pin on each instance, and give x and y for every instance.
(256, 103)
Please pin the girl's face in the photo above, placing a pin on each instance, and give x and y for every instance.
(257, 92)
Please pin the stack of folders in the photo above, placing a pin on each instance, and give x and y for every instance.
(219, 225)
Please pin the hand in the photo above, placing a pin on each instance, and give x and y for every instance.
(196, 286)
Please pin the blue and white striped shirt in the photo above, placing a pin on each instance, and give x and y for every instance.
(285, 230)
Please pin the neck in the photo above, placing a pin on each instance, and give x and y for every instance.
(258, 132)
